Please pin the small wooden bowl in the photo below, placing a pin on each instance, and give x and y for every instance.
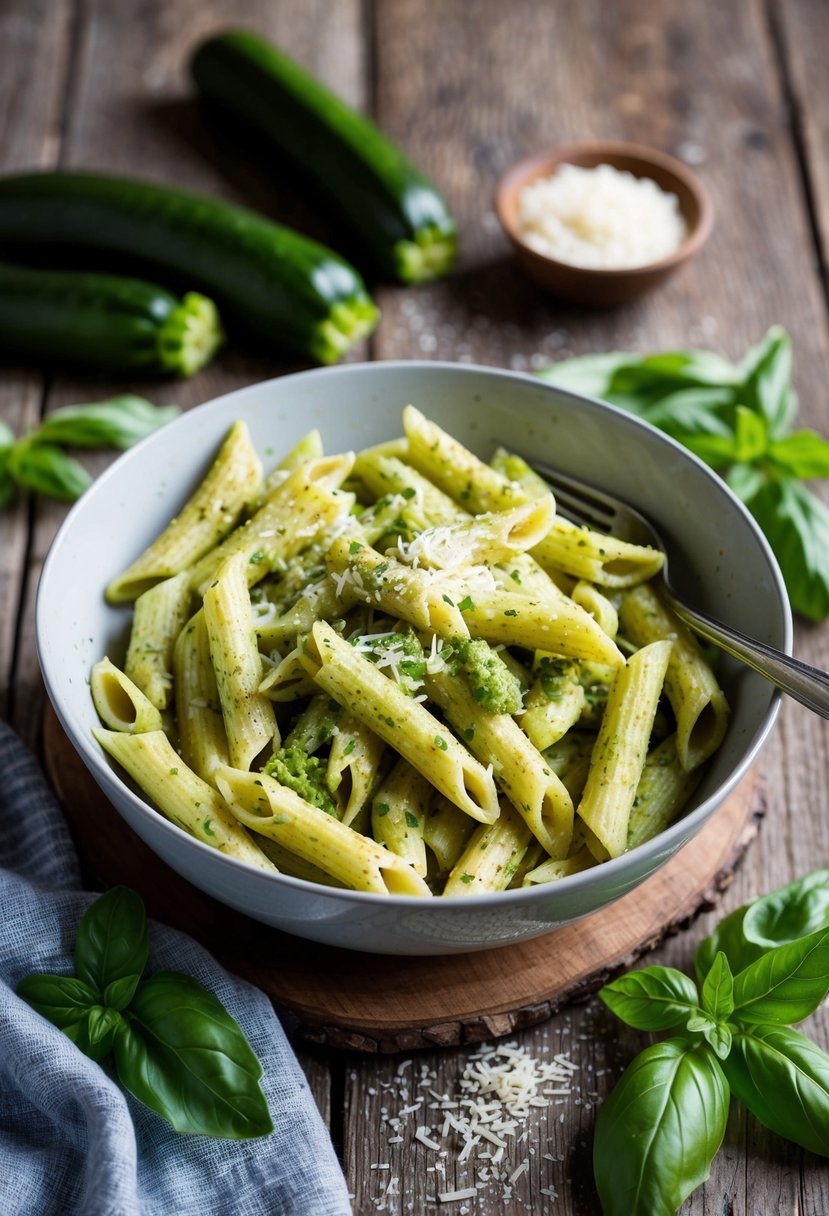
(588, 285)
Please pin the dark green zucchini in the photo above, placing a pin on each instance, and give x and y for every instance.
(396, 215)
(270, 283)
(100, 320)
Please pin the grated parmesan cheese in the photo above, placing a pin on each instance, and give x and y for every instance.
(482, 1122)
(600, 218)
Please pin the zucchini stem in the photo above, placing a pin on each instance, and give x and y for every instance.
(190, 335)
(430, 255)
(347, 322)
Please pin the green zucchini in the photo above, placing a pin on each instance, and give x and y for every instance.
(395, 214)
(271, 284)
(99, 320)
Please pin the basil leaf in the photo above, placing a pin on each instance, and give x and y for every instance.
(751, 435)
(796, 524)
(691, 411)
(715, 450)
(6, 482)
(94, 1034)
(718, 989)
(745, 480)
(803, 454)
(767, 372)
(719, 1037)
(179, 1052)
(786, 984)
(118, 423)
(655, 998)
(783, 1079)
(793, 911)
(112, 941)
(660, 1129)
(47, 469)
(62, 999)
(119, 993)
(781, 916)
(588, 374)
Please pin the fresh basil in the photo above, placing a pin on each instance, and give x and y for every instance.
(118, 423)
(786, 984)
(113, 945)
(62, 999)
(784, 915)
(176, 1047)
(660, 1129)
(37, 462)
(47, 469)
(739, 419)
(783, 1079)
(655, 998)
(764, 966)
(718, 989)
(791, 912)
(180, 1053)
(796, 525)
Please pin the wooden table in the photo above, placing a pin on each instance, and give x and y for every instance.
(741, 91)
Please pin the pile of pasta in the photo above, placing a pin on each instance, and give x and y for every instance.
(326, 615)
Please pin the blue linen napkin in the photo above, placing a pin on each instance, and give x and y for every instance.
(71, 1140)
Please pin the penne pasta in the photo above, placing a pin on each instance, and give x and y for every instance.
(440, 651)
(696, 698)
(270, 809)
(519, 769)
(248, 715)
(120, 704)
(160, 615)
(619, 753)
(202, 734)
(404, 724)
(232, 482)
(181, 795)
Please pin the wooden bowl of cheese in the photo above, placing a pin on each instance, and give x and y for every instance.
(601, 223)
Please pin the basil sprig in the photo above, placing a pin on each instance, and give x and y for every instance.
(739, 419)
(764, 967)
(175, 1046)
(37, 462)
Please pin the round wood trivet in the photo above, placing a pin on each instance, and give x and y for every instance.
(379, 1003)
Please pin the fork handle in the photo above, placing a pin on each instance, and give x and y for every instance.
(806, 684)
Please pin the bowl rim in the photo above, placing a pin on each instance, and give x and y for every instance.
(104, 772)
(530, 167)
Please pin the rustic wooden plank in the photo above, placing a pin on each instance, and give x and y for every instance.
(801, 28)
(32, 86)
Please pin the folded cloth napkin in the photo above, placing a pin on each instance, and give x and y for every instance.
(71, 1140)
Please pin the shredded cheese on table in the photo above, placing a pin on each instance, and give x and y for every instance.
(481, 1124)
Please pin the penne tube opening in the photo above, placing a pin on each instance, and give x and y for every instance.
(120, 704)
(531, 523)
(706, 734)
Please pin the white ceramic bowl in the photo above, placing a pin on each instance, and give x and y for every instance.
(729, 568)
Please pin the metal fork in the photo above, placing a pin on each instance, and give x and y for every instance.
(585, 504)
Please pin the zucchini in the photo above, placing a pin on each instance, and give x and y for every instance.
(270, 283)
(394, 213)
(99, 320)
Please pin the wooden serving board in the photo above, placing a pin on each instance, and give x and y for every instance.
(381, 1003)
